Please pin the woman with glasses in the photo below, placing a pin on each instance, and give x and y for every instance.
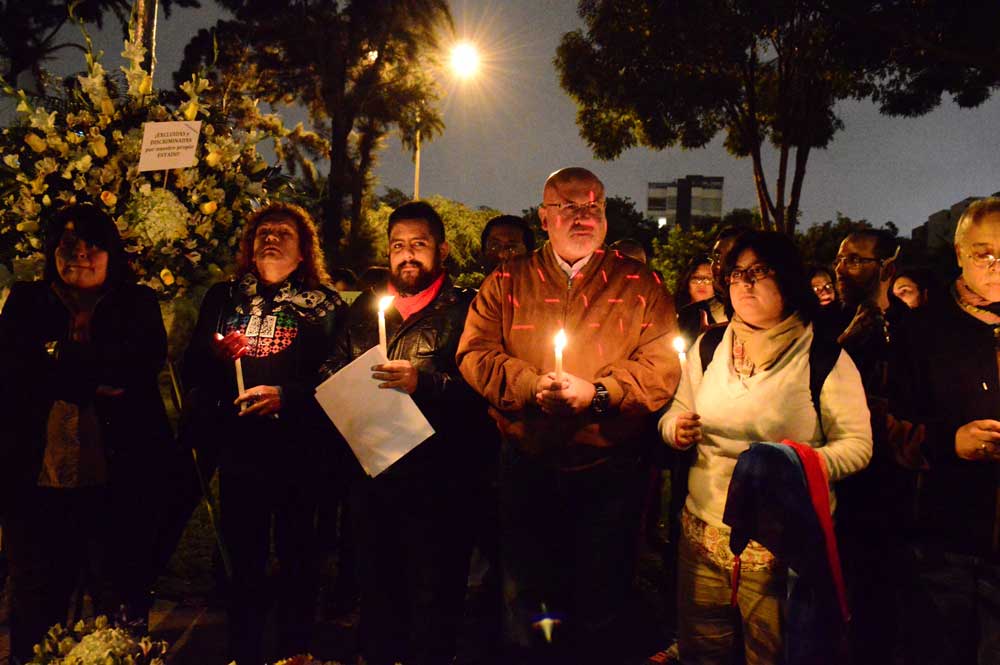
(755, 387)
(823, 284)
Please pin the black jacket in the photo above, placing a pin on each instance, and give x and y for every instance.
(429, 340)
(127, 351)
(953, 380)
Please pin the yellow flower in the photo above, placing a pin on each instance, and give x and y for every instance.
(46, 201)
(147, 85)
(190, 110)
(30, 226)
(35, 142)
(208, 207)
(107, 107)
(213, 158)
(109, 199)
(38, 185)
(258, 167)
(166, 276)
(98, 147)
(12, 161)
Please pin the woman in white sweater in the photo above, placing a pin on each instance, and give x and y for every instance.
(756, 388)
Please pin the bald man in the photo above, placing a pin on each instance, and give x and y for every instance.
(571, 477)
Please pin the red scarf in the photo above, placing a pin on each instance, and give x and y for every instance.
(407, 306)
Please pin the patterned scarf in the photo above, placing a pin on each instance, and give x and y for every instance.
(309, 305)
(974, 304)
(756, 350)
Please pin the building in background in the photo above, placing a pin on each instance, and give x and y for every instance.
(691, 199)
(938, 232)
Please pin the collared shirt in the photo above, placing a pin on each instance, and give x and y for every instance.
(572, 270)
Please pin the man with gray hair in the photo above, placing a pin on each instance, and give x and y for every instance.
(953, 610)
(573, 421)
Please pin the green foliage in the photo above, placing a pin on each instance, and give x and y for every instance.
(463, 227)
(672, 253)
(819, 242)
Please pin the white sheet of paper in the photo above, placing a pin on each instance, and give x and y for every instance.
(380, 425)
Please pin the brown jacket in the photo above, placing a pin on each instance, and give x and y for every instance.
(619, 321)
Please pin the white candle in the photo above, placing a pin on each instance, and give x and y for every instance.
(560, 343)
(239, 381)
(680, 347)
(383, 304)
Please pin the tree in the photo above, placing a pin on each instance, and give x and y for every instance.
(672, 254)
(920, 50)
(357, 67)
(677, 74)
(819, 242)
(30, 31)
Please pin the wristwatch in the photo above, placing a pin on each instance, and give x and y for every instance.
(599, 405)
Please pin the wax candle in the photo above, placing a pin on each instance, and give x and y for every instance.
(560, 342)
(239, 381)
(383, 304)
(680, 347)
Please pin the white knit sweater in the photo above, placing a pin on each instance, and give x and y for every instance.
(769, 406)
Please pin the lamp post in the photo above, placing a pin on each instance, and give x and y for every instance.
(464, 64)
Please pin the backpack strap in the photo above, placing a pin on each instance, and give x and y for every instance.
(823, 355)
(709, 342)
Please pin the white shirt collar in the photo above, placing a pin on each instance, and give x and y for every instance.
(572, 270)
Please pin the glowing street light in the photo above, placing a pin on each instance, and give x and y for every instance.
(464, 64)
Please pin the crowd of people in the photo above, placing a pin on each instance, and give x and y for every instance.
(831, 434)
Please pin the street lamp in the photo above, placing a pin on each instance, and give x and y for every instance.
(464, 64)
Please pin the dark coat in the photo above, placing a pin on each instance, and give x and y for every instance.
(953, 379)
(428, 339)
(127, 351)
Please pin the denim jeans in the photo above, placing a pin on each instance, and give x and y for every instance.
(708, 625)
(568, 543)
(951, 609)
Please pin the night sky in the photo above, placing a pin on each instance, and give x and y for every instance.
(512, 126)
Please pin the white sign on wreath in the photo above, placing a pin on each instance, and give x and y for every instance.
(168, 145)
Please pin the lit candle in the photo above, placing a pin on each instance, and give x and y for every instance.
(239, 381)
(560, 342)
(383, 304)
(680, 347)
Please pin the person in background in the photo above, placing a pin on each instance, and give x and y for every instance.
(912, 286)
(823, 283)
(278, 317)
(697, 316)
(83, 431)
(505, 237)
(952, 602)
(695, 285)
(572, 477)
(374, 279)
(343, 279)
(756, 387)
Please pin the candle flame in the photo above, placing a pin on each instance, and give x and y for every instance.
(680, 346)
(560, 340)
(384, 302)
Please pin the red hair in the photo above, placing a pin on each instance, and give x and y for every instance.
(312, 268)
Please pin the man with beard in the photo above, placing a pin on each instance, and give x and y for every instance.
(411, 520)
(872, 505)
(571, 471)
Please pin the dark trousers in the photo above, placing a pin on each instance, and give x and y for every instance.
(52, 536)
(951, 609)
(249, 502)
(568, 546)
(414, 541)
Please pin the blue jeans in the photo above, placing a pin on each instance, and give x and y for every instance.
(568, 542)
(951, 609)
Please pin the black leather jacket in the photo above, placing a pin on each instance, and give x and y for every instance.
(429, 340)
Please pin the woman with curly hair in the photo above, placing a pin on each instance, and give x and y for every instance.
(276, 318)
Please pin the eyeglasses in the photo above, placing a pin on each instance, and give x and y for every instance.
(983, 260)
(750, 275)
(853, 262)
(513, 247)
(571, 209)
(700, 281)
(823, 288)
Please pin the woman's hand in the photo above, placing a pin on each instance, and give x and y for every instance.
(978, 441)
(687, 429)
(262, 400)
(232, 346)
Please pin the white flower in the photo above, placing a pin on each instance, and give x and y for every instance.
(158, 216)
(42, 120)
